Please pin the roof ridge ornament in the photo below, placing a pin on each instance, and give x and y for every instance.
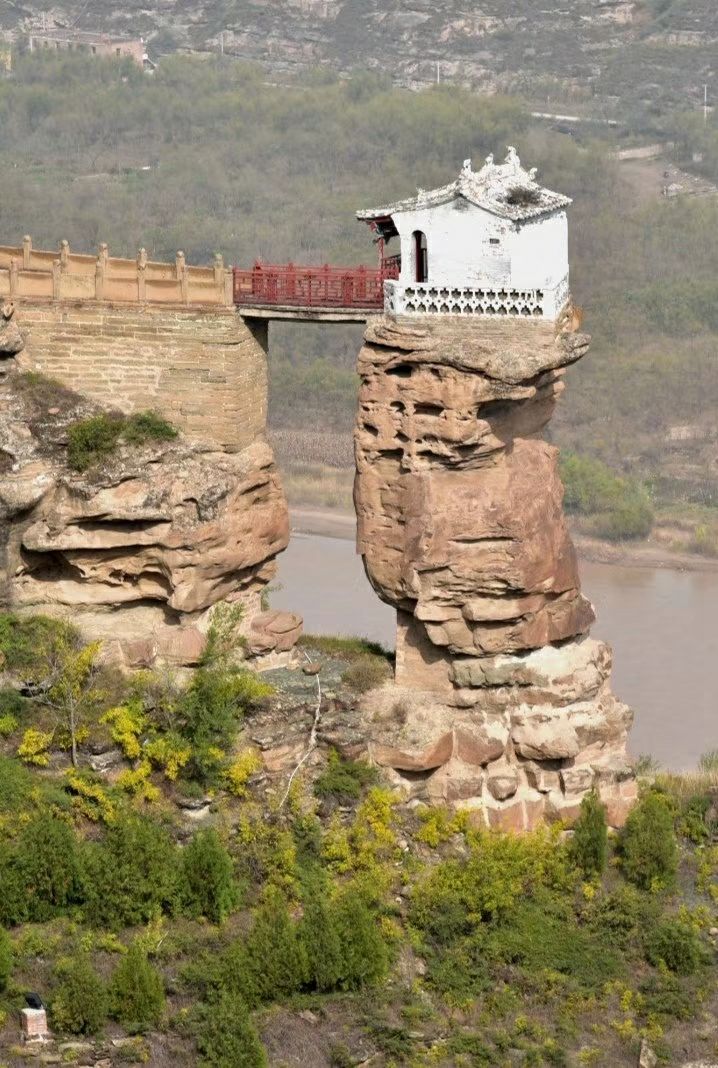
(506, 189)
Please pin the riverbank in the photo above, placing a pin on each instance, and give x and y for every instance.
(659, 622)
(329, 523)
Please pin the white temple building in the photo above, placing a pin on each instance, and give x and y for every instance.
(492, 242)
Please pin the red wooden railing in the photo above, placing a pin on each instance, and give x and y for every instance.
(313, 287)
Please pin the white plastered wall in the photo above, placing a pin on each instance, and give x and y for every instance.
(461, 252)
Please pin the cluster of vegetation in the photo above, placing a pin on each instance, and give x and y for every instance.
(89, 441)
(613, 508)
(115, 910)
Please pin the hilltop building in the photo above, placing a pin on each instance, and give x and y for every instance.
(492, 242)
(96, 44)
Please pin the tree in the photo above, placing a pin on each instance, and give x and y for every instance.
(48, 855)
(79, 1001)
(226, 1037)
(364, 951)
(275, 956)
(72, 692)
(6, 959)
(647, 844)
(210, 887)
(132, 874)
(589, 845)
(137, 995)
(322, 945)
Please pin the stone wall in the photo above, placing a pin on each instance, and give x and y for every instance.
(200, 367)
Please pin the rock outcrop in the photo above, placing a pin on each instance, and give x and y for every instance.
(502, 700)
(136, 550)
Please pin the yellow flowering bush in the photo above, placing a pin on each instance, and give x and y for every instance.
(126, 722)
(168, 753)
(241, 770)
(89, 798)
(136, 781)
(34, 746)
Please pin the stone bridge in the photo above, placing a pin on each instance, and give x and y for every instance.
(138, 333)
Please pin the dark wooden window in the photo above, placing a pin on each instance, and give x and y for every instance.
(421, 256)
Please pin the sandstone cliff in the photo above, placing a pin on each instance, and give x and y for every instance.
(136, 550)
(502, 701)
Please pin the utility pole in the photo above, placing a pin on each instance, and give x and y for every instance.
(438, 72)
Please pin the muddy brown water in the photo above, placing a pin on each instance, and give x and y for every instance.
(661, 623)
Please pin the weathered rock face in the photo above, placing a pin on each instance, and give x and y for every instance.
(502, 702)
(138, 550)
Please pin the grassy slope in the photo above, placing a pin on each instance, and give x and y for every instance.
(497, 949)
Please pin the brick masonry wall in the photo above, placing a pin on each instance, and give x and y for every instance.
(202, 369)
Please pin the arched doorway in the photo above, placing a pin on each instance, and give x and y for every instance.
(421, 256)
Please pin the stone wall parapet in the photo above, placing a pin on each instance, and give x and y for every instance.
(64, 275)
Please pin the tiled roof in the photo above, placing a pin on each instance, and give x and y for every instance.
(505, 189)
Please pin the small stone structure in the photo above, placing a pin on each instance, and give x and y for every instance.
(502, 701)
(34, 1025)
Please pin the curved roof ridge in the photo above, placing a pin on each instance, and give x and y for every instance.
(506, 189)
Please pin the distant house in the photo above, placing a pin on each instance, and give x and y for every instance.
(96, 44)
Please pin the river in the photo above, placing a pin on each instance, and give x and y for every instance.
(661, 624)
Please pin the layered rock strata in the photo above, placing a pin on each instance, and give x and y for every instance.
(502, 701)
(139, 549)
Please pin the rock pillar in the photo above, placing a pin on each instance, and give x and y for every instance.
(502, 701)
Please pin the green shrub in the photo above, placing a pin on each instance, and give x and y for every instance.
(647, 844)
(136, 993)
(16, 784)
(615, 507)
(320, 937)
(396, 1042)
(50, 861)
(460, 973)
(79, 1000)
(93, 440)
(210, 886)
(453, 897)
(275, 954)
(366, 673)
(27, 643)
(226, 1036)
(675, 944)
(6, 959)
(665, 997)
(365, 955)
(344, 780)
(472, 1047)
(620, 917)
(12, 704)
(210, 711)
(134, 873)
(695, 818)
(589, 845)
(147, 426)
(543, 936)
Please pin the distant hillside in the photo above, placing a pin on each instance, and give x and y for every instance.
(629, 58)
